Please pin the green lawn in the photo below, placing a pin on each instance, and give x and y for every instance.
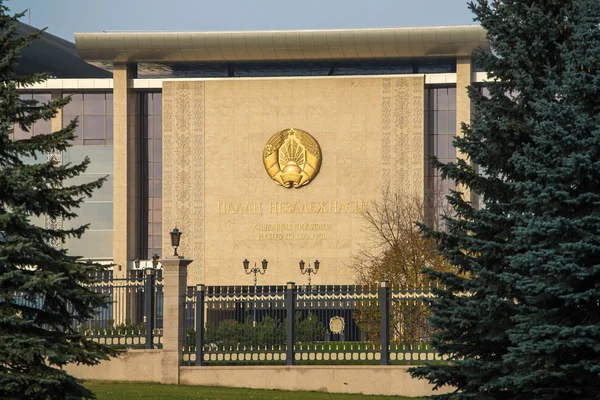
(138, 390)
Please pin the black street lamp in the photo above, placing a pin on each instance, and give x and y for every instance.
(254, 271)
(175, 238)
(310, 270)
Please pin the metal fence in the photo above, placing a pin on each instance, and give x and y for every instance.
(133, 317)
(317, 324)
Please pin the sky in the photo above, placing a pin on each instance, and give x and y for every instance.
(64, 17)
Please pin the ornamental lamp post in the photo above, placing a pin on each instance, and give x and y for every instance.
(155, 258)
(254, 271)
(310, 270)
(175, 239)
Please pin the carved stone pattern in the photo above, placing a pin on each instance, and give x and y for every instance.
(386, 129)
(404, 135)
(183, 169)
(170, 268)
(54, 223)
(418, 133)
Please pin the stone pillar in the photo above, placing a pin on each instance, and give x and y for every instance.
(463, 106)
(174, 281)
(126, 171)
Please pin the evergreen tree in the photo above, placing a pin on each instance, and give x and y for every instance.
(521, 320)
(42, 289)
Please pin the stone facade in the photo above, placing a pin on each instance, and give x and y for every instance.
(216, 189)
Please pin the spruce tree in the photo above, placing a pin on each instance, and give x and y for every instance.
(42, 289)
(521, 320)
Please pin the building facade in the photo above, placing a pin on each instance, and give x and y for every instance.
(258, 145)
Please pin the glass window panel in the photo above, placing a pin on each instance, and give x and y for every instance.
(157, 127)
(42, 127)
(157, 104)
(78, 137)
(94, 142)
(149, 150)
(101, 158)
(109, 127)
(157, 229)
(156, 241)
(109, 142)
(92, 245)
(41, 97)
(93, 127)
(98, 215)
(109, 104)
(451, 149)
(157, 151)
(452, 99)
(442, 99)
(157, 170)
(35, 159)
(157, 203)
(442, 146)
(433, 99)
(94, 104)
(442, 122)
(157, 188)
(157, 216)
(20, 134)
(75, 106)
(452, 122)
(104, 193)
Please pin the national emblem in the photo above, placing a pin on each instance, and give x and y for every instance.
(292, 158)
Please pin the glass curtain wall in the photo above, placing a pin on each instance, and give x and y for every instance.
(440, 130)
(151, 174)
(94, 111)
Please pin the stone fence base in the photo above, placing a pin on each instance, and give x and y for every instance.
(149, 366)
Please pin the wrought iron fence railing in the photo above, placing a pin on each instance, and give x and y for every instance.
(133, 315)
(317, 324)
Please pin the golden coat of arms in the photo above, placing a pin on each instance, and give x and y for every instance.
(292, 158)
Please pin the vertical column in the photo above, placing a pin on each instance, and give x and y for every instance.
(174, 278)
(463, 106)
(126, 171)
(384, 307)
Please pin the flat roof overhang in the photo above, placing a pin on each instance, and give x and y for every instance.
(123, 47)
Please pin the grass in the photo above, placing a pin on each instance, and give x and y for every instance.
(106, 390)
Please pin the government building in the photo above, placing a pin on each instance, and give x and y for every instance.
(256, 145)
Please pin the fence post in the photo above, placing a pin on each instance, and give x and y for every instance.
(149, 307)
(290, 307)
(199, 325)
(174, 286)
(384, 307)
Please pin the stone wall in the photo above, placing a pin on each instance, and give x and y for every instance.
(216, 189)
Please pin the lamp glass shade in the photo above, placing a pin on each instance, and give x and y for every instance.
(301, 263)
(317, 264)
(246, 264)
(175, 237)
(136, 262)
(264, 264)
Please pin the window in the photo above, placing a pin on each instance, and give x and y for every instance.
(39, 127)
(151, 174)
(94, 111)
